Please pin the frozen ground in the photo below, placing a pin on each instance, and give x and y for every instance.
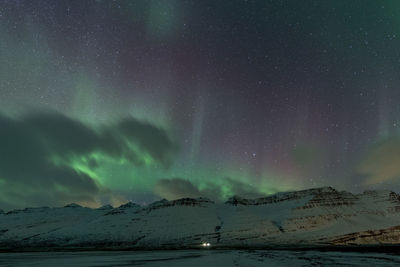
(196, 258)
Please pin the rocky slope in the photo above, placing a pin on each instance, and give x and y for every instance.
(308, 218)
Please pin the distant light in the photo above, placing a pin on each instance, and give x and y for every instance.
(206, 244)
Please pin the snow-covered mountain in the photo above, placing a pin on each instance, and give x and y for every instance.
(314, 217)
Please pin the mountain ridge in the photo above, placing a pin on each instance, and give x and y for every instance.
(314, 217)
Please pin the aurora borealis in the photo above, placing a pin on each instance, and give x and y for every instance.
(109, 101)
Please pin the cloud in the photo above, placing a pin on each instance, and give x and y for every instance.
(149, 138)
(226, 187)
(38, 155)
(382, 163)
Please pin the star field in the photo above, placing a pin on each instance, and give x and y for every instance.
(209, 98)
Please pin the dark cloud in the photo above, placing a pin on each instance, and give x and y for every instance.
(178, 188)
(30, 145)
(148, 138)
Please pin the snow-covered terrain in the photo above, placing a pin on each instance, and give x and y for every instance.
(308, 218)
(198, 258)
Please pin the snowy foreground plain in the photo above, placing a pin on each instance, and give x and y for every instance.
(200, 258)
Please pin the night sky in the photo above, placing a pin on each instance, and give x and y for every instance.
(109, 101)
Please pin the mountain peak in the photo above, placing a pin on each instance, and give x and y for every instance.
(323, 189)
(191, 201)
(105, 207)
(313, 217)
(281, 196)
(128, 205)
(72, 205)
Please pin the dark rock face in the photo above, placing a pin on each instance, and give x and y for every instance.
(73, 205)
(190, 201)
(128, 205)
(330, 199)
(282, 196)
(382, 236)
(106, 207)
(178, 202)
(121, 209)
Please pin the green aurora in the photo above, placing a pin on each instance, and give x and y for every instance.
(113, 101)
